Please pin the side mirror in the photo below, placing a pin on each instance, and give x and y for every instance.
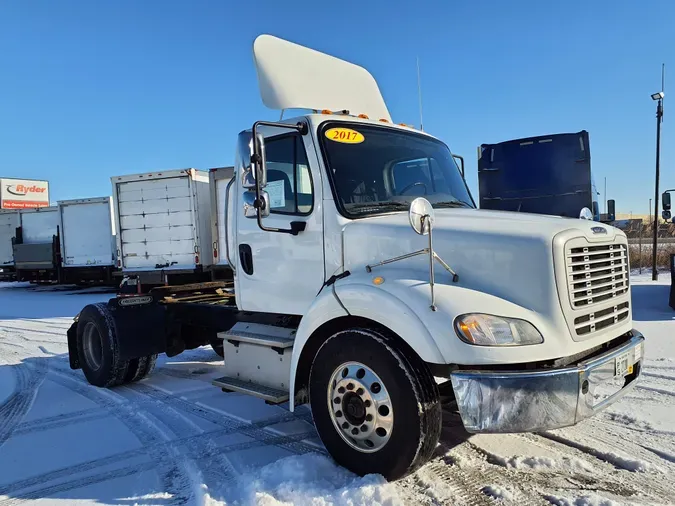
(611, 211)
(421, 215)
(666, 215)
(665, 199)
(258, 161)
(250, 208)
(254, 164)
(460, 161)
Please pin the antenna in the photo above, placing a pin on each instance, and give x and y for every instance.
(419, 92)
(663, 86)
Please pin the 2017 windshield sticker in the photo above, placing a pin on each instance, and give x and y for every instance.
(344, 135)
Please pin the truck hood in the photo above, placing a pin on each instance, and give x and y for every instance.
(508, 255)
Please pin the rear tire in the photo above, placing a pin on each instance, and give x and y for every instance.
(376, 408)
(140, 368)
(98, 347)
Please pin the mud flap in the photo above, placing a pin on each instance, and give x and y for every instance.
(141, 329)
(73, 357)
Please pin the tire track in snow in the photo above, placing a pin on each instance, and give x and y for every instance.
(466, 473)
(224, 420)
(12, 412)
(175, 481)
(200, 446)
(35, 331)
(54, 422)
(17, 491)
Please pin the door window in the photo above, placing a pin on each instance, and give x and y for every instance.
(289, 182)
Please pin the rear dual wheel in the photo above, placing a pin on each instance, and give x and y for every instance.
(98, 350)
(376, 407)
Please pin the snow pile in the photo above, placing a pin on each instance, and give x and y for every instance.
(497, 492)
(307, 480)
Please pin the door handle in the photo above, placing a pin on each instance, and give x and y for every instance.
(246, 258)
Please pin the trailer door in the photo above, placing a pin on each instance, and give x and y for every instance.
(86, 234)
(157, 224)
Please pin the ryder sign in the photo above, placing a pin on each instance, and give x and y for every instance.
(23, 194)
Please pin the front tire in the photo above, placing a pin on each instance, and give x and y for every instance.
(375, 407)
(98, 347)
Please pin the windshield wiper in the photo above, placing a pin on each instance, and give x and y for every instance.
(452, 203)
(378, 206)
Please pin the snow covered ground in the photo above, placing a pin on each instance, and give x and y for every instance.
(175, 439)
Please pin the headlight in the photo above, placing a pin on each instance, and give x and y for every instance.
(488, 330)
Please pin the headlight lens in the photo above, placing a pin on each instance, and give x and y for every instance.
(488, 330)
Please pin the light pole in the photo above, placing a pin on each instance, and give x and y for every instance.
(659, 119)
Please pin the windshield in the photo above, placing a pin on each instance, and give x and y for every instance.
(378, 169)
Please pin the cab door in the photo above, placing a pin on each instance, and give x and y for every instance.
(279, 272)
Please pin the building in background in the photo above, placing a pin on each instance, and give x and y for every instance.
(23, 193)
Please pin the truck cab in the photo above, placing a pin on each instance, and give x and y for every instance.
(364, 274)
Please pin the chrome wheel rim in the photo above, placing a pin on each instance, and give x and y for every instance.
(92, 346)
(360, 407)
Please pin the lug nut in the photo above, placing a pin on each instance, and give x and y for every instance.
(364, 428)
(350, 386)
(359, 391)
(337, 400)
(338, 414)
(345, 425)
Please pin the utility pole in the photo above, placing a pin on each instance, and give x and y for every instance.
(659, 119)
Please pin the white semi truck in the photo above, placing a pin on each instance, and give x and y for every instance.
(363, 271)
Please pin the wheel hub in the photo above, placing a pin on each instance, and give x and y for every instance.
(360, 407)
(93, 346)
(354, 408)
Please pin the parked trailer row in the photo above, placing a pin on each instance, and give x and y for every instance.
(72, 242)
(168, 233)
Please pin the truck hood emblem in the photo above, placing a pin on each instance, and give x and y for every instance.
(599, 230)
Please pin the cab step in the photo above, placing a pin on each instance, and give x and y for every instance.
(269, 394)
(278, 338)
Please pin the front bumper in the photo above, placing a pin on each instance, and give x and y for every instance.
(495, 401)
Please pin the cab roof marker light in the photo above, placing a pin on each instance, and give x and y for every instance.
(384, 120)
(363, 116)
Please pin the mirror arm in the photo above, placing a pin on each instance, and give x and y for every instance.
(302, 128)
(461, 165)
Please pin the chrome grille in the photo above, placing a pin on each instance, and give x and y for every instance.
(596, 276)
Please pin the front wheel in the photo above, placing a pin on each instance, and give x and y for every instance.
(376, 409)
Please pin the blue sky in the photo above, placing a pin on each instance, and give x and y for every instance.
(93, 88)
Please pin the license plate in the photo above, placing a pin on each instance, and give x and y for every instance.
(623, 365)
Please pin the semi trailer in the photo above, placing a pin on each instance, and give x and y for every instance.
(363, 272)
(87, 241)
(546, 174)
(36, 245)
(164, 222)
(219, 178)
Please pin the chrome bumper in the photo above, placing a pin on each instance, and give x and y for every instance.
(493, 401)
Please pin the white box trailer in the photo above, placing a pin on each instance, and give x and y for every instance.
(9, 221)
(219, 178)
(36, 247)
(164, 223)
(88, 249)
